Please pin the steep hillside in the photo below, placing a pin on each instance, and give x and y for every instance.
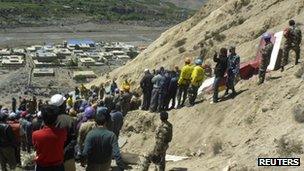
(55, 12)
(219, 23)
(259, 122)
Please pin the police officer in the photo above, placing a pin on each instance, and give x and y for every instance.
(266, 55)
(197, 78)
(162, 139)
(233, 69)
(293, 39)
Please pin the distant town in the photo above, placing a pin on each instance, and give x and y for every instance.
(77, 54)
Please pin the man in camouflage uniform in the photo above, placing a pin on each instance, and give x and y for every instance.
(266, 55)
(163, 138)
(293, 39)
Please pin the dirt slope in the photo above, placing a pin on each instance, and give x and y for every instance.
(219, 23)
(257, 123)
(238, 130)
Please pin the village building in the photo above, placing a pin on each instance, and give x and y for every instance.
(5, 52)
(62, 53)
(87, 61)
(43, 56)
(42, 72)
(79, 75)
(12, 61)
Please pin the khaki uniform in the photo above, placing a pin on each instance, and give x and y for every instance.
(266, 55)
(293, 39)
(157, 156)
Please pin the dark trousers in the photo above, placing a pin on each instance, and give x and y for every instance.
(7, 157)
(287, 49)
(230, 83)
(182, 93)
(172, 98)
(26, 143)
(216, 86)
(51, 168)
(17, 154)
(157, 101)
(146, 100)
(192, 94)
(262, 74)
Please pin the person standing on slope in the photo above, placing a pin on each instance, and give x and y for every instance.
(162, 139)
(233, 69)
(266, 55)
(184, 82)
(197, 78)
(219, 71)
(293, 39)
(146, 86)
(157, 100)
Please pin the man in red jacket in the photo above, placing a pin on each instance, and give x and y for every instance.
(49, 142)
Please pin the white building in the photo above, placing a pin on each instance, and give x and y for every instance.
(13, 61)
(87, 61)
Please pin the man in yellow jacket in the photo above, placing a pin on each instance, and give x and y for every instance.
(184, 82)
(197, 78)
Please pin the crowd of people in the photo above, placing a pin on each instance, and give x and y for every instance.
(84, 126)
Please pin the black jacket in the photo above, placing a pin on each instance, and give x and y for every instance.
(7, 137)
(146, 83)
(221, 66)
(67, 122)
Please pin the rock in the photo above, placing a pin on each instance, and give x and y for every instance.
(265, 109)
(298, 112)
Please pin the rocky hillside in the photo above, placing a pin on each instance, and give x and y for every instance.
(259, 122)
(219, 23)
(57, 12)
(262, 121)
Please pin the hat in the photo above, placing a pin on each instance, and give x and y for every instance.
(39, 115)
(187, 60)
(12, 116)
(57, 100)
(89, 112)
(198, 61)
(146, 70)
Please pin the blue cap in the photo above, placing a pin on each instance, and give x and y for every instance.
(266, 36)
(198, 61)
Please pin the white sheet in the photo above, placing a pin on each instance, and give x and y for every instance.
(275, 52)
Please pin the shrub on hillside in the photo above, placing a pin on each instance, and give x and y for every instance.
(287, 147)
(181, 50)
(298, 113)
(218, 36)
(180, 42)
(217, 147)
(299, 73)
